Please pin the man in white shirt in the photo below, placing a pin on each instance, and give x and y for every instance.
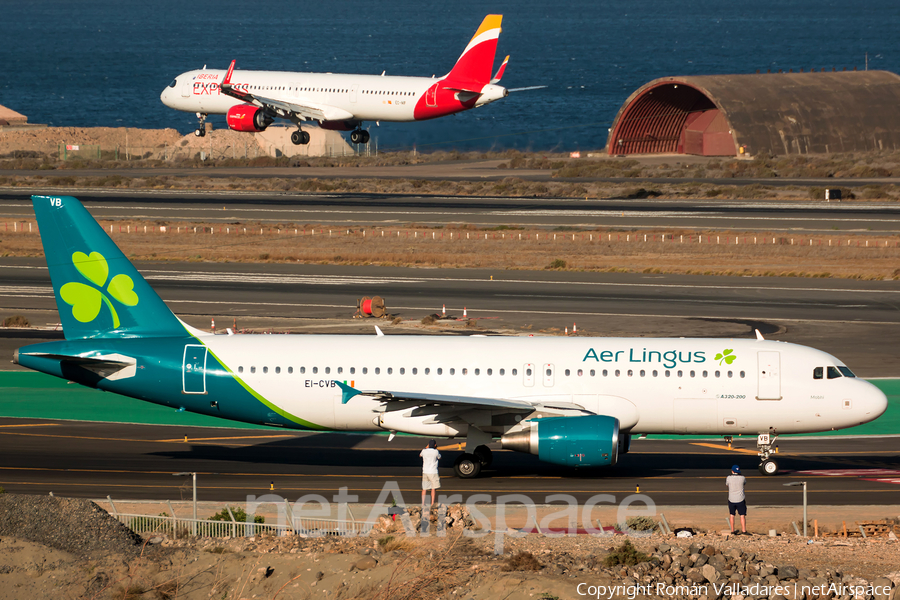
(430, 478)
(737, 502)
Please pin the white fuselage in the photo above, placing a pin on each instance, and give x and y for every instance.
(342, 96)
(675, 386)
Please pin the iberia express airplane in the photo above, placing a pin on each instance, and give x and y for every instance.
(252, 100)
(571, 401)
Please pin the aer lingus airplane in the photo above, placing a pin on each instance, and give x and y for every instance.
(252, 100)
(571, 401)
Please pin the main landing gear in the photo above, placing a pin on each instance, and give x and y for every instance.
(201, 128)
(468, 465)
(359, 136)
(765, 445)
(299, 137)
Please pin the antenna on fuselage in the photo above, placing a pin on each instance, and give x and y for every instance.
(759, 336)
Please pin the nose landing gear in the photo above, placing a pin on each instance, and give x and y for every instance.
(201, 127)
(300, 137)
(765, 446)
(359, 136)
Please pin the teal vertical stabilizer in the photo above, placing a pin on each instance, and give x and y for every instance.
(99, 293)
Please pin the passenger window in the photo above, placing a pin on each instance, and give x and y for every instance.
(327, 370)
(277, 369)
(240, 369)
(655, 373)
(514, 372)
(340, 370)
(643, 373)
(549, 372)
(440, 371)
(315, 369)
(605, 373)
(593, 373)
(705, 373)
(618, 372)
(253, 369)
(567, 372)
(402, 370)
(365, 370)
(730, 374)
(668, 373)
(427, 370)
(718, 373)
(352, 370)
(630, 372)
(490, 372)
(452, 371)
(415, 371)
(833, 373)
(477, 371)
(680, 373)
(502, 372)
(742, 374)
(290, 370)
(580, 372)
(527, 372)
(465, 371)
(693, 373)
(303, 369)
(390, 370)
(378, 370)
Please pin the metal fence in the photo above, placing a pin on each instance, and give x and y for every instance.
(177, 527)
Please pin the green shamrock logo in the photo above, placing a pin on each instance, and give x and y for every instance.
(87, 300)
(726, 355)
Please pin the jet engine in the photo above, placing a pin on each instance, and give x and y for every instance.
(246, 117)
(588, 441)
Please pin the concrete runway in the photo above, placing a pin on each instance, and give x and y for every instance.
(137, 461)
(388, 210)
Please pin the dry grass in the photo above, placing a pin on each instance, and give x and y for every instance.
(522, 561)
(841, 255)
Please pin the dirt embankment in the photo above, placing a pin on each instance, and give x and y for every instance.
(53, 552)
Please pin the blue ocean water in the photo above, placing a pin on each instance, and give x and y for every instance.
(104, 62)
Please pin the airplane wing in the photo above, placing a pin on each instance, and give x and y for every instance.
(285, 110)
(418, 399)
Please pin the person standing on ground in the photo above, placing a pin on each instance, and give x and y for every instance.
(737, 501)
(430, 478)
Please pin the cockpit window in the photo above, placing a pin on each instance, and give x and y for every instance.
(174, 83)
(818, 373)
(833, 373)
(846, 371)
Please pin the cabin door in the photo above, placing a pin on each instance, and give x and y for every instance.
(769, 375)
(194, 370)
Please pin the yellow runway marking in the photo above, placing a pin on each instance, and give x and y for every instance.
(722, 447)
(891, 490)
(33, 425)
(236, 437)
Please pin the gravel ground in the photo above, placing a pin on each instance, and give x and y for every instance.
(72, 525)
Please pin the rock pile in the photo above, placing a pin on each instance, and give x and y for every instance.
(440, 516)
(69, 524)
(705, 571)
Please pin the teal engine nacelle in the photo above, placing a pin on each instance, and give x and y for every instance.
(591, 441)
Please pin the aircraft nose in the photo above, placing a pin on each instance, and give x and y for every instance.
(874, 402)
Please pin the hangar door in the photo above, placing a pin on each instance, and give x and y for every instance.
(706, 133)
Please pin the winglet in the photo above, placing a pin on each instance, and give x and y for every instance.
(500, 71)
(227, 80)
(347, 391)
(759, 336)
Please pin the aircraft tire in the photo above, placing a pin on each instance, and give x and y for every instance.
(304, 137)
(768, 467)
(200, 132)
(365, 137)
(467, 466)
(356, 136)
(297, 137)
(484, 454)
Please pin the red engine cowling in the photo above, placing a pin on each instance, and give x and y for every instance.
(246, 117)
